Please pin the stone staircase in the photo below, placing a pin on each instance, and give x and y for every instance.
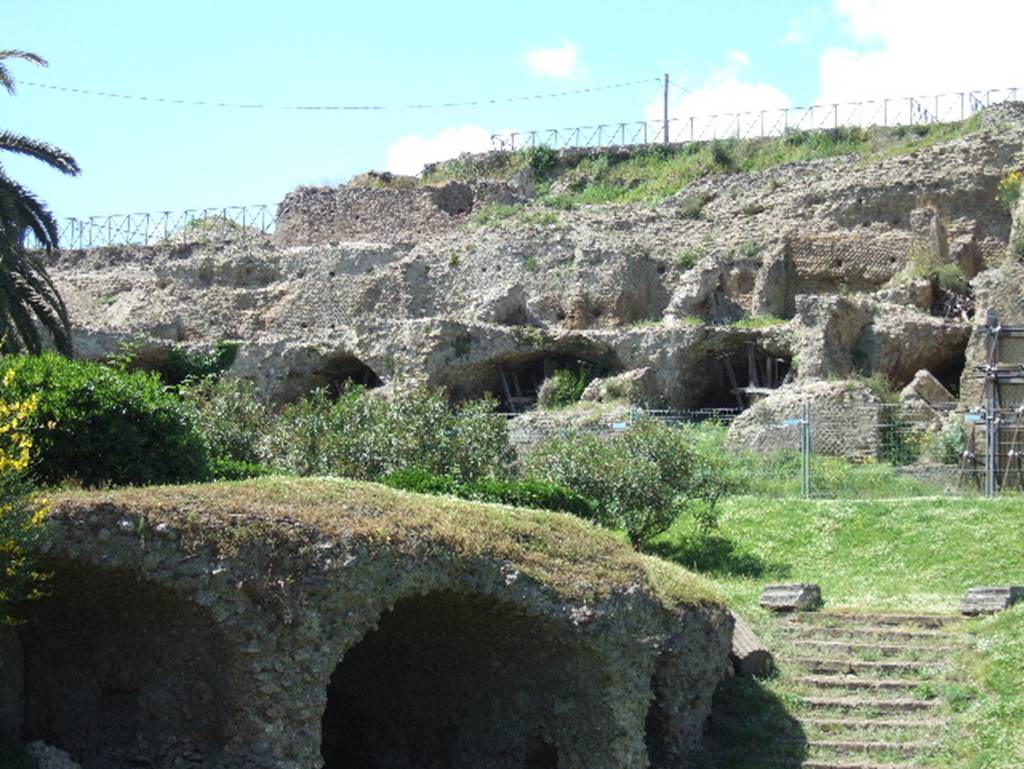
(864, 683)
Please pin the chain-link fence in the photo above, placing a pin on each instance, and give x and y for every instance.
(837, 451)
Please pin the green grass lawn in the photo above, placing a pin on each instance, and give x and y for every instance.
(915, 555)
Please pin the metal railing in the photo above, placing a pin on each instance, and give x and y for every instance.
(196, 225)
(762, 124)
(203, 225)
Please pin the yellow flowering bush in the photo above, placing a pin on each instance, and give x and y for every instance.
(1008, 191)
(21, 520)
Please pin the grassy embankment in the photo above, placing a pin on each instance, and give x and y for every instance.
(655, 173)
(916, 555)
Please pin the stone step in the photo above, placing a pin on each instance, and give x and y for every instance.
(853, 683)
(874, 725)
(842, 763)
(834, 649)
(866, 748)
(857, 633)
(831, 762)
(862, 668)
(864, 706)
(932, 621)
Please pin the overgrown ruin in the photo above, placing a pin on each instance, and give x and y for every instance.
(351, 627)
(825, 268)
(296, 624)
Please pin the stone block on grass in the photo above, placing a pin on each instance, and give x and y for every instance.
(989, 600)
(795, 597)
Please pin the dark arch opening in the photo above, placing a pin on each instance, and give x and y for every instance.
(738, 378)
(334, 372)
(951, 372)
(518, 382)
(455, 681)
(122, 672)
(515, 380)
(340, 371)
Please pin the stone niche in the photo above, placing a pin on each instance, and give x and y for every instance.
(121, 672)
(456, 681)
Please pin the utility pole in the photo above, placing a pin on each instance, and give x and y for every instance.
(665, 112)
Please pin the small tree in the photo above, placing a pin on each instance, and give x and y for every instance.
(641, 482)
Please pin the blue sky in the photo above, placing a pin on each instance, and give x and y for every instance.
(145, 156)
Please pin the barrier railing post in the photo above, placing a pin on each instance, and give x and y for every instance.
(805, 434)
(991, 443)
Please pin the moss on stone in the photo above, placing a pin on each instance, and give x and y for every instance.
(575, 558)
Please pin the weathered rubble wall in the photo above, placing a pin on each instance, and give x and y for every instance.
(381, 214)
(430, 295)
(276, 643)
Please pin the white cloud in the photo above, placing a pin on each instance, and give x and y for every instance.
(740, 58)
(714, 104)
(560, 63)
(409, 154)
(804, 27)
(921, 47)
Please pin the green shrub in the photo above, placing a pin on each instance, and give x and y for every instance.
(924, 264)
(20, 530)
(97, 425)
(641, 481)
(363, 436)
(542, 160)
(175, 364)
(527, 493)
(950, 277)
(222, 469)
(687, 258)
(564, 388)
(230, 415)
(420, 482)
(302, 439)
(750, 249)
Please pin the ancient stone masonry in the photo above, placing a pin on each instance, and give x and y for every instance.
(183, 628)
(380, 214)
(388, 282)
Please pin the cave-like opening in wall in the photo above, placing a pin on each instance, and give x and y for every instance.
(737, 378)
(458, 681)
(516, 381)
(341, 371)
(334, 372)
(123, 672)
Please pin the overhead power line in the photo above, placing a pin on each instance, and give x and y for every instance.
(333, 107)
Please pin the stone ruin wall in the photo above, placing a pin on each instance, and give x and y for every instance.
(312, 216)
(846, 262)
(276, 647)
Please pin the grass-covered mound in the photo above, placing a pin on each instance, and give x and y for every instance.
(577, 559)
(654, 172)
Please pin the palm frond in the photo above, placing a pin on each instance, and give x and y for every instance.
(29, 302)
(20, 211)
(6, 79)
(54, 157)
